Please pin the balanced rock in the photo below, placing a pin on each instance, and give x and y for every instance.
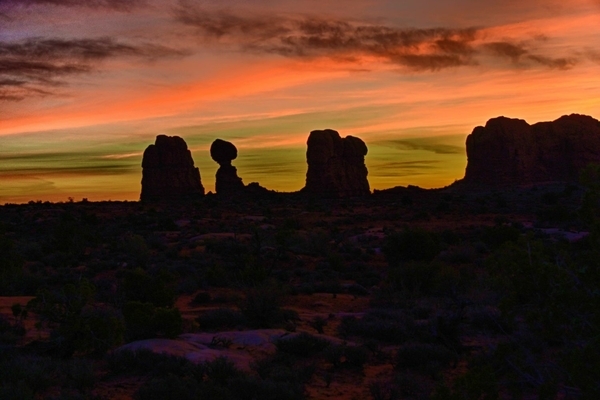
(227, 180)
(512, 152)
(168, 171)
(336, 166)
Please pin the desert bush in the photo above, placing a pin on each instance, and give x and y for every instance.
(172, 387)
(262, 307)
(138, 250)
(69, 235)
(411, 245)
(538, 285)
(11, 266)
(392, 326)
(30, 377)
(495, 236)
(218, 379)
(475, 384)
(77, 325)
(140, 286)
(144, 320)
(147, 363)
(403, 385)
(283, 367)
(10, 333)
(167, 322)
(302, 345)
(97, 330)
(221, 318)
(424, 357)
(423, 278)
(202, 298)
(318, 323)
(555, 214)
(583, 364)
(343, 356)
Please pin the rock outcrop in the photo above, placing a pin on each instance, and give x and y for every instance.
(512, 152)
(336, 166)
(227, 181)
(168, 171)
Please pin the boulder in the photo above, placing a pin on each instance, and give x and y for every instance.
(512, 152)
(336, 166)
(168, 171)
(227, 181)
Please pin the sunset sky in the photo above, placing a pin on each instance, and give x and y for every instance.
(85, 86)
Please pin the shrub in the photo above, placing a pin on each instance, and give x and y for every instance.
(352, 357)
(386, 325)
(11, 266)
(411, 245)
(496, 236)
(475, 384)
(78, 326)
(202, 298)
(302, 345)
(424, 357)
(170, 387)
(221, 318)
(218, 379)
(138, 285)
(262, 307)
(404, 385)
(29, 377)
(138, 250)
(146, 362)
(144, 320)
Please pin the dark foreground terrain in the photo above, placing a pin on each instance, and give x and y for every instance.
(405, 294)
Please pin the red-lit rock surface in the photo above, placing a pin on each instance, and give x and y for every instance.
(336, 166)
(168, 171)
(510, 151)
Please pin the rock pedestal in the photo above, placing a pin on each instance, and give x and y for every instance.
(336, 166)
(512, 152)
(168, 171)
(227, 180)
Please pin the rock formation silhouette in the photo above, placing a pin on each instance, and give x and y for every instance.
(168, 171)
(336, 166)
(512, 152)
(227, 180)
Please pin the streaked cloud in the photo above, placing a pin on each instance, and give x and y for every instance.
(303, 36)
(426, 144)
(37, 66)
(120, 5)
(396, 169)
(519, 54)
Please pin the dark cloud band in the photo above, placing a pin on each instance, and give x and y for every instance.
(118, 5)
(418, 49)
(305, 36)
(35, 66)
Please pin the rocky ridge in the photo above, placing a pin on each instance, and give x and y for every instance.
(511, 152)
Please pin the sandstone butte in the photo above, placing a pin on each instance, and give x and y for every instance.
(168, 171)
(336, 166)
(512, 152)
(227, 180)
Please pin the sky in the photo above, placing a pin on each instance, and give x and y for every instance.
(86, 86)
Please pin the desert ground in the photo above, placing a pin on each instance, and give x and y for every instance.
(403, 294)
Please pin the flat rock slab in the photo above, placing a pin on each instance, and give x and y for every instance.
(240, 347)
